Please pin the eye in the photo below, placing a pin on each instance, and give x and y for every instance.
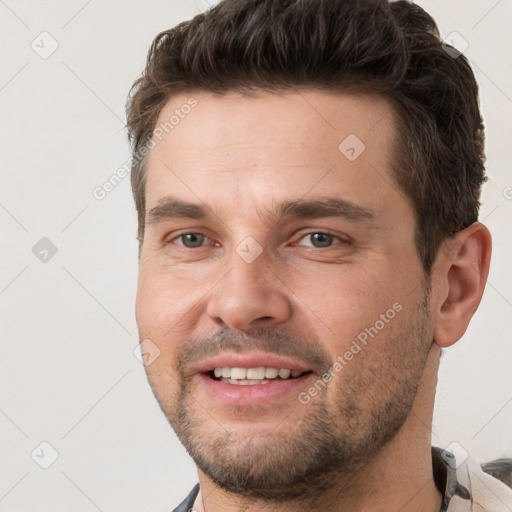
(320, 239)
(190, 240)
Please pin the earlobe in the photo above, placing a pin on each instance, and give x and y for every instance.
(461, 271)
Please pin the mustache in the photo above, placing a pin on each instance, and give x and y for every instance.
(273, 341)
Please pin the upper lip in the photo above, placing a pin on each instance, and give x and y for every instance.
(251, 360)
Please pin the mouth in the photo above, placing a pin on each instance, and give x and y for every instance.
(253, 378)
(250, 385)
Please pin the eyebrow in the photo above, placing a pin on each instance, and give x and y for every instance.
(170, 207)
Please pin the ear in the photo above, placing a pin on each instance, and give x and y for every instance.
(459, 275)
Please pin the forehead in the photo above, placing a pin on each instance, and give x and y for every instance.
(272, 145)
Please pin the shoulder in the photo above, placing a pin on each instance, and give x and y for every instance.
(488, 494)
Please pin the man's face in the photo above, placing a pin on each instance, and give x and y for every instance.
(299, 254)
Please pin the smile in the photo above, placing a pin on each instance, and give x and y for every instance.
(253, 376)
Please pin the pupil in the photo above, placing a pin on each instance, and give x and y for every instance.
(321, 239)
(195, 239)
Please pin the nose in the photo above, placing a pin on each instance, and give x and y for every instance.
(249, 295)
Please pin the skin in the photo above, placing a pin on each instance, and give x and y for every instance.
(241, 156)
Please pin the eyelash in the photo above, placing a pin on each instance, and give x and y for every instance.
(327, 233)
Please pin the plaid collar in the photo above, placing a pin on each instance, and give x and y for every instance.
(445, 477)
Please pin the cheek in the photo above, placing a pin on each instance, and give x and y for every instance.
(164, 310)
(352, 304)
(159, 322)
(341, 296)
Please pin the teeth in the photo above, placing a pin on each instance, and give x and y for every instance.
(238, 373)
(255, 373)
(271, 373)
(248, 382)
(258, 375)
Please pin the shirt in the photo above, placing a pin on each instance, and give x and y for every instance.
(466, 488)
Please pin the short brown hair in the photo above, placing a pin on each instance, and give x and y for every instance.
(371, 46)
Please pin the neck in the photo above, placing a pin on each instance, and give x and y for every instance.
(399, 477)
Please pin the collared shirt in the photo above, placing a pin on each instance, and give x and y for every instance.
(466, 488)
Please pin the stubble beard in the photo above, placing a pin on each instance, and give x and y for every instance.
(331, 440)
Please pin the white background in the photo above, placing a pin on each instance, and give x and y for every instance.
(69, 376)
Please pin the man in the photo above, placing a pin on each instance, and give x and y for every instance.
(307, 177)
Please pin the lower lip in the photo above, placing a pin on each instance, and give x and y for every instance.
(256, 394)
